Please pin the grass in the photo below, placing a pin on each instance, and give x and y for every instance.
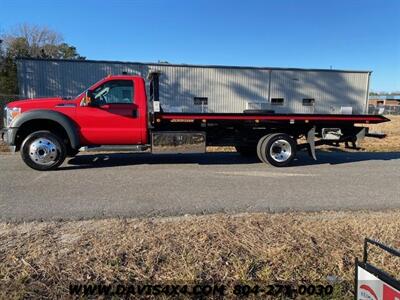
(3, 147)
(389, 144)
(41, 259)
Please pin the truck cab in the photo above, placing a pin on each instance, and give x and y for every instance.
(111, 112)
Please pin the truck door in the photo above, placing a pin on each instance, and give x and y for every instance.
(113, 117)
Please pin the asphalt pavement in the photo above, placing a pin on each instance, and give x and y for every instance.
(139, 185)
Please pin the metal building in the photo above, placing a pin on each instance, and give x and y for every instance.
(193, 88)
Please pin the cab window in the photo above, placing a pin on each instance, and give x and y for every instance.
(114, 92)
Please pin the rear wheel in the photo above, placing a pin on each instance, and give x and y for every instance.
(43, 150)
(259, 146)
(278, 149)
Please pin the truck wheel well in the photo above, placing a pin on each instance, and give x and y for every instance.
(41, 124)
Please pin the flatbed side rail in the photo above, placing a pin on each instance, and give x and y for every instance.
(363, 119)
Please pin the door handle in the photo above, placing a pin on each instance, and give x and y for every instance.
(134, 113)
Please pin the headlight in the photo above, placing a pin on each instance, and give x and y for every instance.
(11, 113)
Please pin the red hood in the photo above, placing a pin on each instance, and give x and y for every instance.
(38, 103)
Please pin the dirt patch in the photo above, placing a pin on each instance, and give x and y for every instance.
(41, 259)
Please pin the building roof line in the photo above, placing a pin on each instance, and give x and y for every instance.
(191, 65)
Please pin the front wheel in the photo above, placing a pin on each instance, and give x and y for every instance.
(43, 150)
(278, 149)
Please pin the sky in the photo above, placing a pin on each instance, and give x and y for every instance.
(342, 34)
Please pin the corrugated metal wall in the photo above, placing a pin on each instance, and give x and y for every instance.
(44, 78)
(331, 90)
(228, 89)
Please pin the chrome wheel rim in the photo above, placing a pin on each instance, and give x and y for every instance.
(43, 151)
(280, 150)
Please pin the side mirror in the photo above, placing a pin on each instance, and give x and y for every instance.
(87, 100)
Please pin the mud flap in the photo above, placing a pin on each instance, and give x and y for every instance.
(357, 138)
(311, 143)
(361, 135)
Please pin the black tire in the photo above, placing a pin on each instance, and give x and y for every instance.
(260, 145)
(246, 150)
(43, 150)
(278, 149)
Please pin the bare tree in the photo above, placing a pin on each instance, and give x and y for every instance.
(37, 41)
(29, 41)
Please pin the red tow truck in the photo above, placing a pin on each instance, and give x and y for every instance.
(117, 111)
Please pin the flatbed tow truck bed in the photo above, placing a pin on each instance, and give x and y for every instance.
(246, 131)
